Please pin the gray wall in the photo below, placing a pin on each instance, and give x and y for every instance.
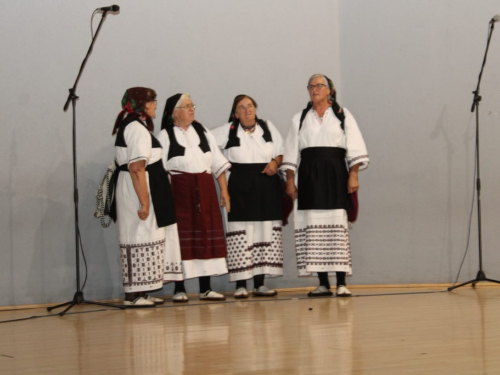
(408, 70)
(405, 69)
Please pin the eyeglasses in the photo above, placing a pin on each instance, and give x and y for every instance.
(319, 86)
(189, 106)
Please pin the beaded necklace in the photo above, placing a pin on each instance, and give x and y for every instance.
(248, 129)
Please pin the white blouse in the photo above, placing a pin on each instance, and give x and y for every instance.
(253, 148)
(139, 147)
(327, 133)
(194, 159)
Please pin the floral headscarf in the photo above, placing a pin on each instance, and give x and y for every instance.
(133, 103)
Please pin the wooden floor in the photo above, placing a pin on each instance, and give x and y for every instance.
(378, 331)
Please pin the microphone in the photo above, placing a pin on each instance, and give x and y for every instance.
(495, 18)
(112, 8)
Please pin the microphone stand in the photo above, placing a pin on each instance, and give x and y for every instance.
(481, 276)
(78, 298)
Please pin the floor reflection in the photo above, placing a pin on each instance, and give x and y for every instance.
(280, 337)
(398, 333)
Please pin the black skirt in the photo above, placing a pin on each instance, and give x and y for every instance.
(254, 195)
(322, 180)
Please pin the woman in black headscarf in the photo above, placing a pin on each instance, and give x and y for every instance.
(326, 148)
(254, 238)
(192, 158)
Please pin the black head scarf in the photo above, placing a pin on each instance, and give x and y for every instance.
(168, 119)
(237, 99)
(333, 93)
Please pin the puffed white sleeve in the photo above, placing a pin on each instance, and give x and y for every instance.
(219, 162)
(165, 145)
(138, 140)
(278, 145)
(292, 152)
(355, 144)
(221, 135)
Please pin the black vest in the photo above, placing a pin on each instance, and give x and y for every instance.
(234, 141)
(120, 138)
(177, 150)
(337, 110)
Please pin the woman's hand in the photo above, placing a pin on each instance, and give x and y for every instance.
(291, 189)
(352, 183)
(225, 200)
(271, 168)
(144, 211)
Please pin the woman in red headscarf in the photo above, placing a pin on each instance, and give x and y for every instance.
(143, 206)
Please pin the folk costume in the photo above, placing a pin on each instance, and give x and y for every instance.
(254, 225)
(150, 250)
(320, 151)
(191, 157)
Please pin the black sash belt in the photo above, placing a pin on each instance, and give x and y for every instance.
(161, 193)
(322, 179)
(323, 152)
(247, 168)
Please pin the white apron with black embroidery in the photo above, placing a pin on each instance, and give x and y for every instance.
(321, 233)
(254, 226)
(150, 255)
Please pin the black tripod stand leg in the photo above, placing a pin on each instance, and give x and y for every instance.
(67, 308)
(78, 299)
(473, 282)
(105, 304)
(492, 281)
(57, 306)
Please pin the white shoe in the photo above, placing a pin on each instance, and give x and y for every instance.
(180, 297)
(342, 291)
(241, 293)
(264, 291)
(320, 291)
(210, 295)
(155, 300)
(138, 302)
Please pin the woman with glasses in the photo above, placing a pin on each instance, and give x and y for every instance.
(254, 239)
(143, 208)
(324, 151)
(191, 156)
